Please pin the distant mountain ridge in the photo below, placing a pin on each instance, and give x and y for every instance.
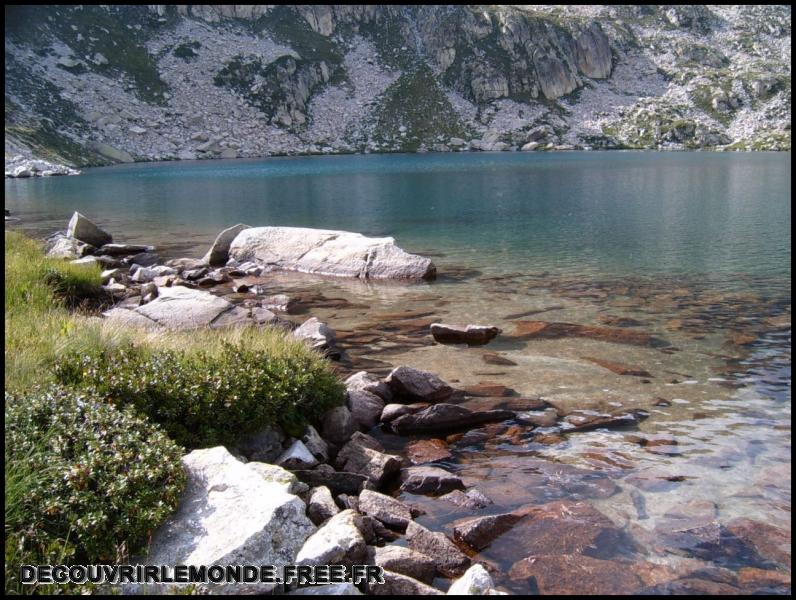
(102, 84)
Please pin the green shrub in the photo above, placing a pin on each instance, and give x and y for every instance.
(203, 399)
(85, 481)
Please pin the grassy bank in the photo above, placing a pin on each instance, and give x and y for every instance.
(85, 399)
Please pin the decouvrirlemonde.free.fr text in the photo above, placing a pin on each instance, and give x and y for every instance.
(187, 574)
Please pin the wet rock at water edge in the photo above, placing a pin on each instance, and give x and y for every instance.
(364, 455)
(390, 511)
(324, 252)
(404, 561)
(479, 532)
(412, 385)
(393, 411)
(429, 480)
(318, 335)
(472, 499)
(472, 335)
(446, 417)
(530, 330)
(80, 228)
(572, 574)
(563, 527)
(450, 560)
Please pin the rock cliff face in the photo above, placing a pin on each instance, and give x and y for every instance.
(102, 84)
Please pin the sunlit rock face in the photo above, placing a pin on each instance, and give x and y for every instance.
(108, 84)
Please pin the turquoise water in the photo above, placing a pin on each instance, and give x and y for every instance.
(692, 248)
(582, 213)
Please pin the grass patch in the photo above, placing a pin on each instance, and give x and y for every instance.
(417, 103)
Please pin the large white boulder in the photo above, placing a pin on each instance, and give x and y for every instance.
(326, 252)
(229, 515)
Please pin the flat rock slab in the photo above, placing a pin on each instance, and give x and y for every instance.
(179, 307)
(446, 417)
(563, 574)
(327, 252)
(209, 526)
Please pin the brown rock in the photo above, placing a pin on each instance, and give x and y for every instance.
(563, 527)
(479, 532)
(576, 574)
(497, 359)
(771, 543)
(473, 335)
(618, 368)
(426, 451)
(489, 389)
(529, 330)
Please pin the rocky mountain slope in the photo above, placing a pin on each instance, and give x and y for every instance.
(102, 84)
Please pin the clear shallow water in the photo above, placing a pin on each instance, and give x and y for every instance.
(694, 248)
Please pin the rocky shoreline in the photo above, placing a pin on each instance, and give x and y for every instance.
(329, 496)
